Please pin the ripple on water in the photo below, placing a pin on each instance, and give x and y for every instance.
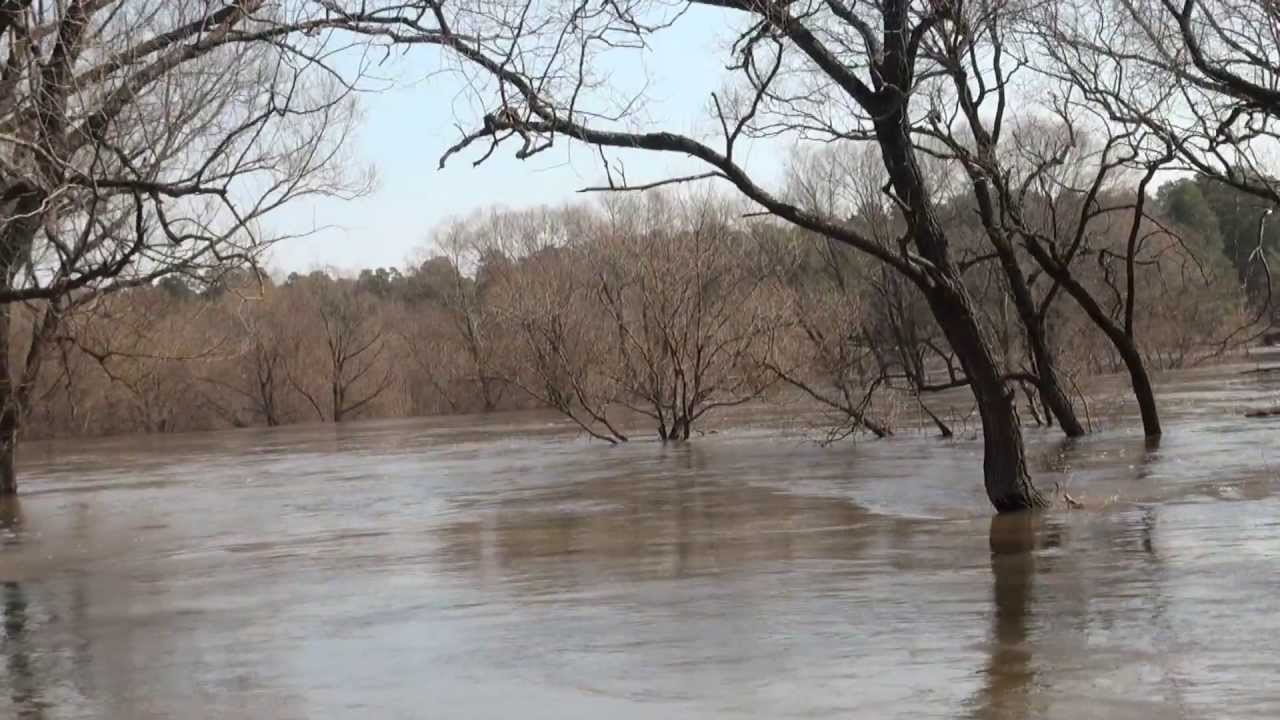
(498, 568)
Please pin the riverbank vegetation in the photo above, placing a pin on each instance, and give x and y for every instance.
(664, 306)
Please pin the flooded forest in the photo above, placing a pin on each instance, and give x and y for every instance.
(886, 358)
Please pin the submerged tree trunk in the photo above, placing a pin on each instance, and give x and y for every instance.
(8, 461)
(1004, 464)
(1051, 393)
(489, 397)
(1142, 389)
(20, 206)
(8, 455)
(1121, 337)
(1055, 400)
(681, 429)
(8, 411)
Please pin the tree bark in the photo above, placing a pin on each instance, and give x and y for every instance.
(8, 411)
(8, 459)
(1051, 393)
(20, 206)
(1142, 389)
(1004, 464)
(1120, 338)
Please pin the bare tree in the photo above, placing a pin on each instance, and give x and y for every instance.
(853, 68)
(143, 138)
(427, 335)
(1196, 78)
(149, 344)
(475, 252)
(1201, 74)
(564, 356)
(831, 358)
(343, 367)
(1059, 200)
(637, 305)
(688, 314)
(256, 367)
(893, 340)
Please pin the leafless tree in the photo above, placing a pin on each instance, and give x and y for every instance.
(635, 305)
(257, 365)
(428, 338)
(148, 344)
(1200, 74)
(1074, 195)
(831, 358)
(476, 251)
(343, 367)
(563, 356)
(856, 69)
(143, 138)
(1197, 78)
(884, 337)
(687, 313)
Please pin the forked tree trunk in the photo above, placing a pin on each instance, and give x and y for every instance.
(1004, 463)
(1051, 393)
(680, 430)
(1121, 340)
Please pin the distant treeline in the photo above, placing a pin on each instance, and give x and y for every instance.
(665, 305)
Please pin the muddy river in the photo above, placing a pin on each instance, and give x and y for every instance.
(504, 567)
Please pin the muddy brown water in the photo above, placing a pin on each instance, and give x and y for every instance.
(504, 568)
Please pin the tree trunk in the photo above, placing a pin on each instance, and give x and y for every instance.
(680, 430)
(1004, 463)
(1049, 417)
(21, 206)
(487, 394)
(1142, 390)
(1120, 337)
(1051, 393)
(8, 412)
(8, 462)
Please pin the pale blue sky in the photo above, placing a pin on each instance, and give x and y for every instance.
(405, 130)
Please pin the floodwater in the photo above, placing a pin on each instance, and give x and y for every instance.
(505, 568)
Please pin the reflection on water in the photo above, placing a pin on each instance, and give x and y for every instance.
(11, 521)
(499, 567)
(23, 679)
(1009, 674)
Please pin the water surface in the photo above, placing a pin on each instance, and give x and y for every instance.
(504, 568)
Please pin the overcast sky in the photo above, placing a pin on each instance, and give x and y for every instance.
(405, 130)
